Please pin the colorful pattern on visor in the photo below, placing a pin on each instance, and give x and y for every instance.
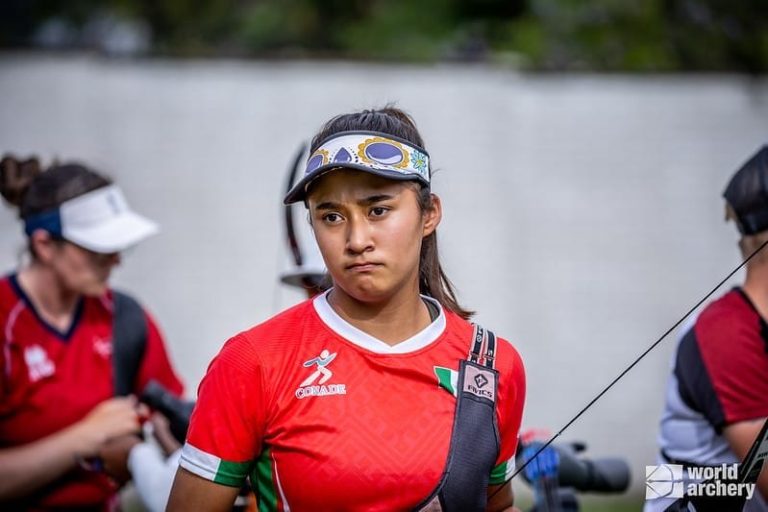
(373, 151)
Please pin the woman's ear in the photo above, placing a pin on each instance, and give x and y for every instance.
(432, 215)
(43, 245)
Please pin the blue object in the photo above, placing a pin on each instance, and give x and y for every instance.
(545, 465)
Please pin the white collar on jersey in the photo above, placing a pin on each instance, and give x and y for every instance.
(362, 339)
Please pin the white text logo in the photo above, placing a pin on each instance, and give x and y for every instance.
(103, 347)
(38, 363)
(666, 481)
(321, 374)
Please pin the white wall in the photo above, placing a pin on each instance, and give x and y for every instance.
(582, 213)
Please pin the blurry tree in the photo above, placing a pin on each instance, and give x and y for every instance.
(652, 35)
(609, 35)
(719, 35)
(600, 34)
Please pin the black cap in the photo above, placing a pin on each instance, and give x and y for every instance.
(747, 194)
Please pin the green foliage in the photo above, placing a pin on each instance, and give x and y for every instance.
(606, 34)
(609, 35)
(399, 29)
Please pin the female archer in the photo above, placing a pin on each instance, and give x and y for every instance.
(419, 408)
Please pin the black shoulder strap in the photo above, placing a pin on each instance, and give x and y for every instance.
(483, 349)
(475, 439)
(129, 339)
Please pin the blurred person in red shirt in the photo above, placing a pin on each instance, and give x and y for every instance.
(58, 409)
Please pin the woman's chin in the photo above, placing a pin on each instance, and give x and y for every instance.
(95, 290)
(366, 292)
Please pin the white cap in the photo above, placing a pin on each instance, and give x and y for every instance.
(101, 221)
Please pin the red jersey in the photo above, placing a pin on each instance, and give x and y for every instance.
(719, 377)
(51, 379)
(323, 416)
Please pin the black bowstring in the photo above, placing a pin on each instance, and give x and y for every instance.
(628, 368)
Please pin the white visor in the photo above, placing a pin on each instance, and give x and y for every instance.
(101, 221)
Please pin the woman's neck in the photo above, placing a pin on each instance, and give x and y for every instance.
(53, 302)
(756, 287)
(392, 321)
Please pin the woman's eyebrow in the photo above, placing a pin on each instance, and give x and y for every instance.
(327, 205)
(365, 201)
(377, 198)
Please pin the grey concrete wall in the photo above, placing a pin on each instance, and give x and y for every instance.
(582, 213)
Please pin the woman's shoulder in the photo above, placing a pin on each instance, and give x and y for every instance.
(120, 302)
(273, 335)
(729, 312)
(287, 321)
(507, 357)
(9, 296)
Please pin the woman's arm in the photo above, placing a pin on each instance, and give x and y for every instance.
(501, 498)
(740, 437)
(225, 431)
(191, 492)
(26, 468)
(511, 402)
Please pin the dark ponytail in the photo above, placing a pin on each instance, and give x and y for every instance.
(26, 186)
(432, 279)
(29, 188)
(16, 176)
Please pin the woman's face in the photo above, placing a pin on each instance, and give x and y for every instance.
(369, 230)
(77, 269)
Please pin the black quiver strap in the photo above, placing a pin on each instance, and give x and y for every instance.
(475, 441)
(129, 338)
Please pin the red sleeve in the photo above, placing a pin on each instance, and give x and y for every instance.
(510, 409)
(156, 364)
(734, 355)
(227, 425)
(5, 370)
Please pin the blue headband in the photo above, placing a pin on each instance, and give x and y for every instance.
(49, 220)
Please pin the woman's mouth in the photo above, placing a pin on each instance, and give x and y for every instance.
(362, 267)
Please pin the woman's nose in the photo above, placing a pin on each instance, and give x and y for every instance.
(358, 236)
(111, 259)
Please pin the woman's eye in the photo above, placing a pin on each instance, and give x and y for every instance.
(332, 217)
(378, 211)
